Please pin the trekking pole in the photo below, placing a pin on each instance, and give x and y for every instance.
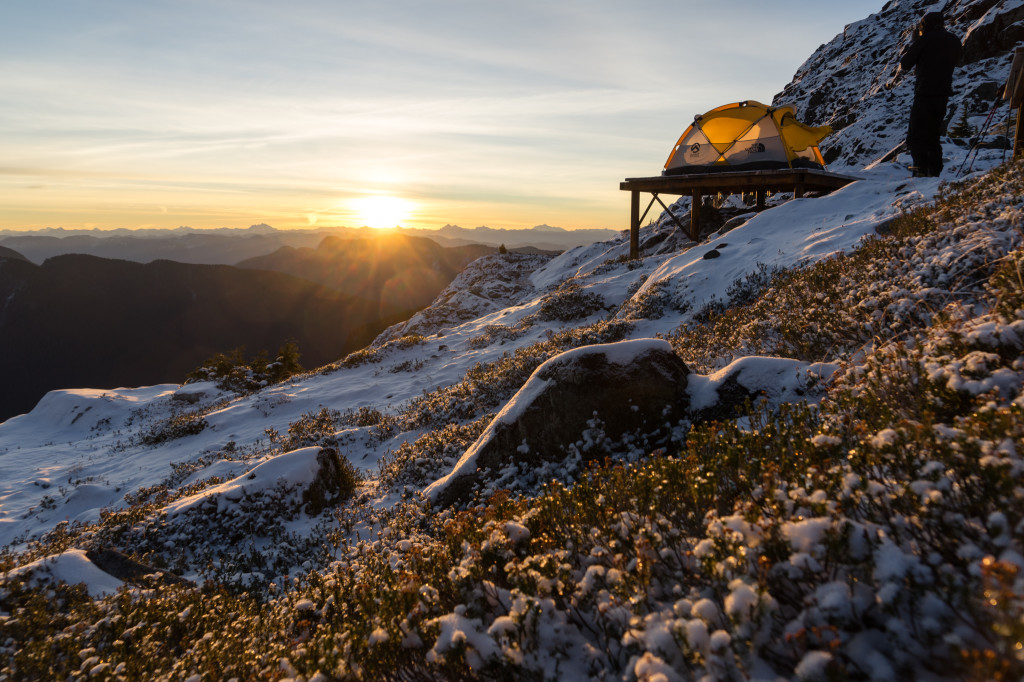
(977, 143)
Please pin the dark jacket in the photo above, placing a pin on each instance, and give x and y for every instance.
(934, 55)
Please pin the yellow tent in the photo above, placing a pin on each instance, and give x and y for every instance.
(746, 136)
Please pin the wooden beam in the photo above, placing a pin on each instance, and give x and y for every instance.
(734, 182)
(1014, 92)
(759, 205)
(1014, 88)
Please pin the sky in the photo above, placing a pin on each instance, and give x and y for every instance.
(317, 113)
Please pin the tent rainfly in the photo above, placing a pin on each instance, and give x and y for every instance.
(746, 136)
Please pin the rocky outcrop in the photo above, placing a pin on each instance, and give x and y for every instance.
(632, 387)
(638, 390)
(127, 570)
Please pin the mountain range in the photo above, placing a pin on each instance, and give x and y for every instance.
(226, 246)
(81, 320)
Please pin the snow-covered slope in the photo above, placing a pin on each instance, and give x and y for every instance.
(80, 451)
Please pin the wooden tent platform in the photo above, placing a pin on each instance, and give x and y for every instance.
(796, 180)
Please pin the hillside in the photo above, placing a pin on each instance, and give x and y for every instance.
(87, 321)
(791, 451)
(402, 272)
(199, 247)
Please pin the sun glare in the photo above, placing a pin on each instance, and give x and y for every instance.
(382, 211)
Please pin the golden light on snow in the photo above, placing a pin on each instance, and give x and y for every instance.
(382, 211)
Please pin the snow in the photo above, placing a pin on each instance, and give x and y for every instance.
(294, 469)
(71, 567)
(813, 666)
(782, 379)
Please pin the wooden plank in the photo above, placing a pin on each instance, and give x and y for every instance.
(784, 180)
(1014, 92)
(1014, 89)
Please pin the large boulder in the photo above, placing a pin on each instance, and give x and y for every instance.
(631, 387)
(614, 392)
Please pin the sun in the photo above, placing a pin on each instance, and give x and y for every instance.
(382, 211)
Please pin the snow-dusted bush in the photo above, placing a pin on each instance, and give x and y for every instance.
(500, 333)
(430, 456)
(232, 372)
(570, 302)
(176, 426)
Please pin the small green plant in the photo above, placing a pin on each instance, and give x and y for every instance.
(962, 128)
(176, 426)
(231, 371)
(311, 428)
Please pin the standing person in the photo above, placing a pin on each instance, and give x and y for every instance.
(933, 54)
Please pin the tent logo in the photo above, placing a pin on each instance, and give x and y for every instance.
(695, 148)
(756, 148)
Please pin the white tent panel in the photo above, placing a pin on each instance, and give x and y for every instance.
(695, 150)
(757, 150)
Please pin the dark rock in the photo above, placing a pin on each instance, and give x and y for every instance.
(885, 227)
(713, 253)
(733, 223)
(984, 93)
(634, 387)
(126, 569)
(995, 142)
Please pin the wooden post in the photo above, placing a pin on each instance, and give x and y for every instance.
(695, 199)
(1014, 92)
(634, 225)
(759, 206)
(798, 191)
